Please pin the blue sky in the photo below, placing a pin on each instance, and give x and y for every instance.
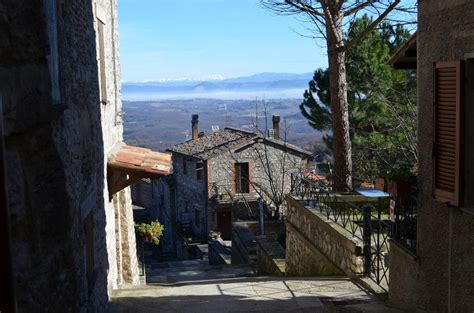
(185, 39)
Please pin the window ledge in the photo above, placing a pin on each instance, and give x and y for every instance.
(469, 211)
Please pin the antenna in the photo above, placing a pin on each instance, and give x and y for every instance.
(256, 114)
(186, 135)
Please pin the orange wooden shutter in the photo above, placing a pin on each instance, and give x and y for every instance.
(448, 154)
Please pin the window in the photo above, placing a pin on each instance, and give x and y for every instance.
(199, 170)
(448, 131)
(185, 166)
(242, 178)
(101, 61)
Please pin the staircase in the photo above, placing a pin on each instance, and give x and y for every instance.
(189, 271)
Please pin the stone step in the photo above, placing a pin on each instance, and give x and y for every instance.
(187, 274)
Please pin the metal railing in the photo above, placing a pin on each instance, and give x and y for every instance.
(369, 222)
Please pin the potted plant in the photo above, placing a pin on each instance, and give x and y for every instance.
(399, 183)
(151, 232)
(381, 184)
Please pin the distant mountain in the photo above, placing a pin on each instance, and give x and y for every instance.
(262, 83)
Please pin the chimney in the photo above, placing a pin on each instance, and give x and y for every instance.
(276, 127)
(195, 126)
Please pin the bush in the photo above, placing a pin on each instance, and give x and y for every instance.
(150, 232)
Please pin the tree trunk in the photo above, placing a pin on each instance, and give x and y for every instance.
(340, 109)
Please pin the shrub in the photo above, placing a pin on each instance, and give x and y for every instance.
(151, 232)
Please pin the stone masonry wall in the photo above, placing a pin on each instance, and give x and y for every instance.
(54, 150)
(281, 163)
(191, 195)
(271, 256)
(105, 11)
(310, 237)
(265, 162)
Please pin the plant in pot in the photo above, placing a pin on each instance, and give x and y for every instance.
(381, 183)
(399, 183)
(150, 232)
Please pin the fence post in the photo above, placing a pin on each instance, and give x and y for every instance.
(367, 240)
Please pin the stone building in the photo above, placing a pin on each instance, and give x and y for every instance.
(440, 276)
(218, 177)
(67, 204)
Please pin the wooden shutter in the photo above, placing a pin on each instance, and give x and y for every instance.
(448, 127)
(238, 178)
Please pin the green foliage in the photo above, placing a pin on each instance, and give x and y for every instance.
(382, 102)
(399, 174)
(150, 232)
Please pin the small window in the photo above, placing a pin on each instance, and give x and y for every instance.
(199, 170)
(101, 61)
(185, 166)
(242, 178)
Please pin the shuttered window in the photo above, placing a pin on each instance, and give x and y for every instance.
(242, 178)
(449, 91)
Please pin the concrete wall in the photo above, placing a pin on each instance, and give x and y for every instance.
(55, 156)
(315, 246)
(445, 234)
(403, 278)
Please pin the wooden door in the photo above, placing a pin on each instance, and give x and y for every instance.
(224, 224)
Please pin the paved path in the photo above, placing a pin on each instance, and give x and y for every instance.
(187, 289)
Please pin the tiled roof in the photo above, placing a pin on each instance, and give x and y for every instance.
(216, 143)
(140, 162)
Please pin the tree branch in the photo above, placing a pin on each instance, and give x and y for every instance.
(371, 27)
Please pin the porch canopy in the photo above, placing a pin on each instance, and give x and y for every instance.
(405, 56)
(136, 163)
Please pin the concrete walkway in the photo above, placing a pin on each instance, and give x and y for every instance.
(253, 294)
(196, 287)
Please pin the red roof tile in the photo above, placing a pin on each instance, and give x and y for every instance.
(141, 162)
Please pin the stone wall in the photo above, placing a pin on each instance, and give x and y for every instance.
(120, 231)
(55, 156)
(280, 164)
(271, 256)
(244, 245)
(191, 195)
(58, 135)
(315, 246)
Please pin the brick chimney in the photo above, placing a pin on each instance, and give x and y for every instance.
(276, 127)
(195, 126)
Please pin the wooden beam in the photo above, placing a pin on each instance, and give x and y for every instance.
(121, 182)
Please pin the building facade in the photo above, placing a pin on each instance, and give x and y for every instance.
(218, 177)
(439, 277)
(71, 227)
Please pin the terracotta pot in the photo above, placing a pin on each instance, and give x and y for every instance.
(399, 190)
(381, 184)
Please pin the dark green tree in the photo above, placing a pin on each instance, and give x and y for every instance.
(382, 101)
